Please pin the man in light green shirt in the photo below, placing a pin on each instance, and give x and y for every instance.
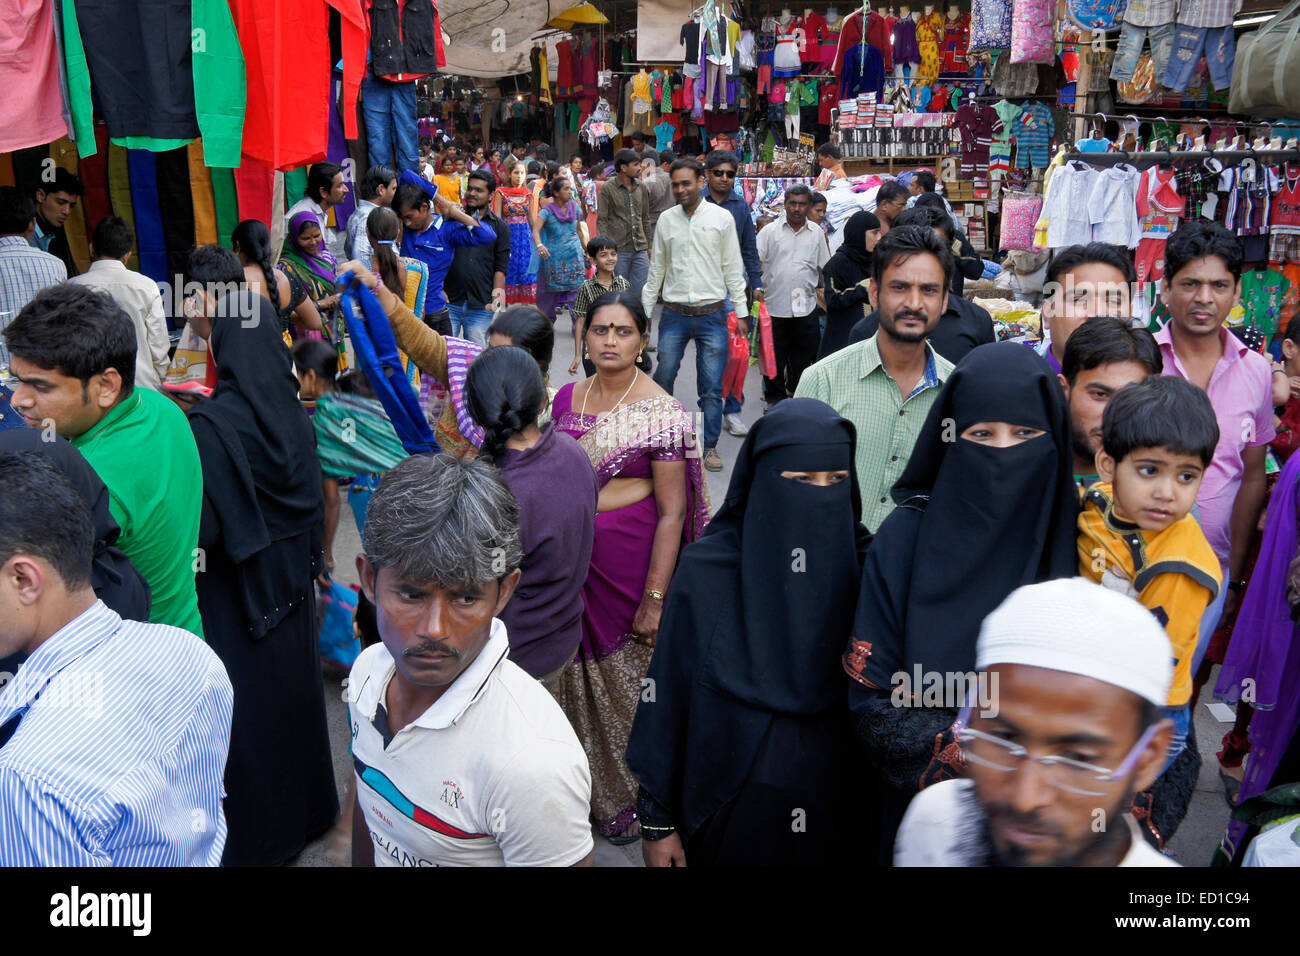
(887, 384)
(73, 352)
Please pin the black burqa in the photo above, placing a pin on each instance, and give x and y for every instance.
(115, 579)
(846, 297)
(973, 523)
(748, 720)
(261, 534)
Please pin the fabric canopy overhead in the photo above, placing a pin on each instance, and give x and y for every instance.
(491, 38)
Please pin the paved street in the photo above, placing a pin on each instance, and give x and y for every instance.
(1193, 844)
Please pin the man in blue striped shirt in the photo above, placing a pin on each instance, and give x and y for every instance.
(113, 733)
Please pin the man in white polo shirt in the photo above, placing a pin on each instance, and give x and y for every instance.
(461, 758)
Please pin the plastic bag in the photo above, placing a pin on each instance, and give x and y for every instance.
(733, 376)
(767, 348)
(338, 642)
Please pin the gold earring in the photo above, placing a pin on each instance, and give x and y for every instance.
(639, 354)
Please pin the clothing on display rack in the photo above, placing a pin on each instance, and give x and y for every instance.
(863, 71)
(1033, 130)
(929, 30)
(787, 62)
(952, 48)
(1160, 207)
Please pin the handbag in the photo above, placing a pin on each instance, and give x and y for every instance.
(767, 347)
(338, 641)
(1266, 71)
(733, 376)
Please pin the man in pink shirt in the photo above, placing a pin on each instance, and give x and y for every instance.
(1202, 284)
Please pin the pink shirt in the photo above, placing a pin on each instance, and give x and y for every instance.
(1241, 391)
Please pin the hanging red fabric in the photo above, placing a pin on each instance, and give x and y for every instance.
(255, 187)
(287, 62)
(355, 39)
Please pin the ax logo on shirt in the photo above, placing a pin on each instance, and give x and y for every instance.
(451, 794)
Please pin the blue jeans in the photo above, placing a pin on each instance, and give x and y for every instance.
(389, 112)
(732, 404)
(710, 335)
(635, 268)
(467, 323)
(1219, 46)
(1128, 53)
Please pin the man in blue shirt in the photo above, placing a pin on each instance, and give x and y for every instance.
(429, 237)
(113, 734)
(720, 168)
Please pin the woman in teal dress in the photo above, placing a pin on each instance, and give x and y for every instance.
(563, 263)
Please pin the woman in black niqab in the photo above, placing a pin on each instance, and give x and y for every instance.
(748, 718)
(261, 537)
(843, 276)
(973, 523)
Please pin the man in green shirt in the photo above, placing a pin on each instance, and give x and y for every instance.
(886, 384)
(73, 353)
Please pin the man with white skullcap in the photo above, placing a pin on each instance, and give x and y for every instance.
(1073, 732)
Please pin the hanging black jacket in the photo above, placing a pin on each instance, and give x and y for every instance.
(405, 39)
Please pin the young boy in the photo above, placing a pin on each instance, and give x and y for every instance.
(1136, 535)
(603, 252)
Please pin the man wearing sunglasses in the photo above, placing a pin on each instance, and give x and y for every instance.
(1052, 766)
(720, 168)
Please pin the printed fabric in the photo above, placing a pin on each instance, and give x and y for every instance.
(990, 25)
(1019, 213)
(1031, 32)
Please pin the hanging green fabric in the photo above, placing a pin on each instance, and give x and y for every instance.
(74, 58)
(220, 83)
(225, 197)
(295, 184)
(119, 193)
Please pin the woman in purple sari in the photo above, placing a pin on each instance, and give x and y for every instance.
(1262, 665)
(653, 500)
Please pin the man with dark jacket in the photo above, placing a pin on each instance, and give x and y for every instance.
(720, 168)
(54, 203)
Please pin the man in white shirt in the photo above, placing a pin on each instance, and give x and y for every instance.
(696, 264)
(326, 188)
(137, 295)
(461, 758)
(377, 188)
(792, 251)
(1063, 726)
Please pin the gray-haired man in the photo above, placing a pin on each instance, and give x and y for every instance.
(461, 758)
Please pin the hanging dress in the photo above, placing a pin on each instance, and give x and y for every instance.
(787, 62)
(1160, 207)
(906, 49)
(928, 32)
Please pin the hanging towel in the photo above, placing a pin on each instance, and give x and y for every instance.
(150, 240)
(201, 196)
(175, 196)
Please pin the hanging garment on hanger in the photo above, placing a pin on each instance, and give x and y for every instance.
(1284, 219)
(990, 27)
(906, 46)
(864, 71)
(148, 101)
(928, 31)
(1033, 130)
(1114, 207)
(952, 48)
(30, 99)
(786, 62)
(1159, 206)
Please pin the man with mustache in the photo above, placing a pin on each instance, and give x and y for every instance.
(1202, 283)
(963, 325)
(886, 383)
(1082, 672)
(1102, 356)
(461, 758)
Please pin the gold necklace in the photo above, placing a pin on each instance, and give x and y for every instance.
(583, 414)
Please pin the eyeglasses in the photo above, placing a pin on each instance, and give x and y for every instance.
(1072, 776)
(724, 173)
